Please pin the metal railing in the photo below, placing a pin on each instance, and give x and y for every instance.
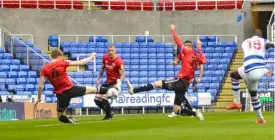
(5, 35)
(114, 4)
(270, 27)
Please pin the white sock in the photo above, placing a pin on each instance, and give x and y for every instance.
(257, 107)
(236, 91)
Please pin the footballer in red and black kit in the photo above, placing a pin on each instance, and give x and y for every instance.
(114, 67)
(190, 62)
(65, 90)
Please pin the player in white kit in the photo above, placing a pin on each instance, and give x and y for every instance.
(254, 68)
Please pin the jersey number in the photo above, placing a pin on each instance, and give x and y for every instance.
(256, 44)
(55, 74)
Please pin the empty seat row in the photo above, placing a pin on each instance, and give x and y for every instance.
(27, 87)
(201, 5)
(5, 55)
(9, 62)
(20, 74)
(17, 81)
(6, 68)
(43, 4)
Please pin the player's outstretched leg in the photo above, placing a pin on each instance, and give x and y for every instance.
(146, 87)
(236, 104)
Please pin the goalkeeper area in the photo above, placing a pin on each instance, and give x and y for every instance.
(216, 126)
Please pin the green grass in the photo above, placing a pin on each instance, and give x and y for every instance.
(216, 126)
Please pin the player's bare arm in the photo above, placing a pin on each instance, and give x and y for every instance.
(102, 70)
(202, 58)
(175, 36)
(83, 61)
(40, 88)
(201, 74)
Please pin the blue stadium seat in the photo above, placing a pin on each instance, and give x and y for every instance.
(208, 55)
(212, 44)
(229, 49)
(8, 56)
(209, 73)
(54, 99)
(4, 68)
(153, 44)
(88, 74)
(213, 92)
(143, 80)
(222, 67)
(71, 74)
(152, 67)
(21, 81)
(3, 92)
(74, 44)
(82, 50)
(10, 81)
(221, 44)
(209, 50)
(2, 81)
(48, 100)
(203, 38)
(214, 85)
(152, 50)
(169, 55)
(271, 85)
(3, 88)
(6, 61)
(217, 55)
(170, 74)
(32, 74)
(126, 45)
(213, 61)
(160, 55)
(152, 56)
(219, 73)
(135, 45)
(161, 61)
(31, 81)
(144, 61)
(206, 80)
(231, 44)
(152, 73)
(143, 74)
(14, 68)
(134, 67)
(216, 79)
(24, 68)
(134, 80)
(161, 73)
(79, 75)
(88, 80)
(15, 62)
(134, 74)
(83, 44)
(19, 88)
(13, 74)
(30, 87)
(80, 80)
(224, 61)
(48, 93)
(169, 68)
(64, 45)
(143, 67)
(212, 67)
(213, 38)
(48, 87)
(2, 50)
(219, 50)
(21, 74)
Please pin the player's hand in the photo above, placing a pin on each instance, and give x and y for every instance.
(172, 26)
(97, 82)
(269, 73)
(93, 55)
(173, 63)
(199, 80)
(198, 44)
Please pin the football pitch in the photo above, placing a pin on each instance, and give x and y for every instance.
(216, 126)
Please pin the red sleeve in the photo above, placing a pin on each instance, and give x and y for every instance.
(42, 72)
(65, 63)
(202, 58)
(120, 64)
(178, 41)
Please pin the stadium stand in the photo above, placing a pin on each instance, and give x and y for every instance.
(148, 5)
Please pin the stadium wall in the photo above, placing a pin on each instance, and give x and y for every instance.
(42, 23)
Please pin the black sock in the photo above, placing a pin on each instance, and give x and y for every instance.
(106, 107)
(64, 119)
(146, 87)
(186, 111)
(98, 102)
(187, 104)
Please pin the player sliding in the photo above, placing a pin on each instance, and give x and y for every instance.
(185, 76)
(55, 72)
(254, 68)
(195, 82)
(114, 67)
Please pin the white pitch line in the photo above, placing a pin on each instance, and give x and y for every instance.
(47, 125)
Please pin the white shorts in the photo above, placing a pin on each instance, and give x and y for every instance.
(241, 71)
(252, 78)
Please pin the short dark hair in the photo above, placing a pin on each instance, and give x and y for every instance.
(258, 32)
(55, 53)
(188, 41)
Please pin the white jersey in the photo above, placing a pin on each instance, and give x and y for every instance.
(254, 53)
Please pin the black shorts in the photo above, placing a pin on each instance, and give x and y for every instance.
(63, 100)
(108, 85)
(180, 86)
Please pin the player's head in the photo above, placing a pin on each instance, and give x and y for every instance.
(188, 44)
(56, 54)
(112, 51)
(258, 32)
